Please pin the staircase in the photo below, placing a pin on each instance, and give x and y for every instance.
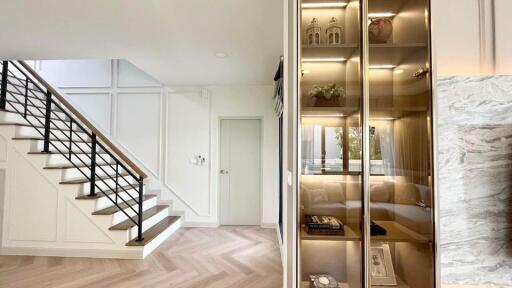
(105, 182)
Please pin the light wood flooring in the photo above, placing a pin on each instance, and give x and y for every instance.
(241, 257)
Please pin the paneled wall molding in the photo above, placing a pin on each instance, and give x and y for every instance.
(107, 116)
(166, 181)
(487, 21)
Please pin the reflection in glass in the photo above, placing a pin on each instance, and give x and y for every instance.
(400, 188)
(330, 159)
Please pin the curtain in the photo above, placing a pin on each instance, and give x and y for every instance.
(384, 130)
(412, 146)
(307, 146)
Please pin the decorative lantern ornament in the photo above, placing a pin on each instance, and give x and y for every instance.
(333, 32)
(313, 33)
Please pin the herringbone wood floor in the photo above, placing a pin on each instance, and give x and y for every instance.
(241, 257)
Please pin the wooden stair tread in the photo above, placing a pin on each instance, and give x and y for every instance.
(107, 192)
(85, 180)
(154, 231)
(113, 209)
(128, 224)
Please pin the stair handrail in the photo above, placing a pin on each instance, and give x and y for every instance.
(83, 120)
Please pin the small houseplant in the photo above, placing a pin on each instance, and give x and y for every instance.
(327, 95)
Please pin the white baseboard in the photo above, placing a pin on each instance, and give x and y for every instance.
(136, 253)
(268, 225)
(201, 224)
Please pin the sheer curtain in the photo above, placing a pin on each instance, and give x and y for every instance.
(308, 146)
(412, 148)
(384, 130)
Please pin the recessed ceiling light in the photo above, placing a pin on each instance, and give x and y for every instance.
(221, 55)
(324, 5)
(311, 60)
(381, 15)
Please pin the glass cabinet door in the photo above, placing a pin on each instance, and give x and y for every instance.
(330, 95)
(400, 144)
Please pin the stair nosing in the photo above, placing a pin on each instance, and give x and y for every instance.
(145, 216)
(169, 221)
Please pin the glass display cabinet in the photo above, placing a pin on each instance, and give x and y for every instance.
(365, 143)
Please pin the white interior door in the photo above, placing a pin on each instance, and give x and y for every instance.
(240, 171)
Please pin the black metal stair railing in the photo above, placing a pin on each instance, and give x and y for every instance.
(43, 109)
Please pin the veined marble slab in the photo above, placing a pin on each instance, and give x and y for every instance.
(475, 179)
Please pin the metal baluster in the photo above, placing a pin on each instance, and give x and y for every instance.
(141, 199)
(117, 179)
(48, 111)
(92, 193)
(70, 137)
(26, 98)
(3, 91)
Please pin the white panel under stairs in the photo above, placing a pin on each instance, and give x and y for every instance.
(48, 207)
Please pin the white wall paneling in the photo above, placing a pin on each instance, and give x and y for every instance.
(503, 9)
(97, 106)
(472, 36)
(41, 217)
(34, 205)
(188, 136)
(163, 128)
(138, 130)
(130, 76)
(77, 73)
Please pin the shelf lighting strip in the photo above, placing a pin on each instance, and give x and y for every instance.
(381, 15)
(320, 60)
(385, 66)
(324, 5)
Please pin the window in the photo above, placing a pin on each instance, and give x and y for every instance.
(355, 138)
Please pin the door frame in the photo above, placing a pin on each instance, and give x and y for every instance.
(219, 194)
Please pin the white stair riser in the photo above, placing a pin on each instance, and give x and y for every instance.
(79, 159)
(58, 147)
(120, 216)
(55, 134)
(74, 173)
(20, 99)
(148, 248)
(33, 111)
(105, 201)
(105, 184)
(148, 223)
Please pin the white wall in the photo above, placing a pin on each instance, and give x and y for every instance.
(469, 37)
(163, 128)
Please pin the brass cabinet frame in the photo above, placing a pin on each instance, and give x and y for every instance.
(365, 110)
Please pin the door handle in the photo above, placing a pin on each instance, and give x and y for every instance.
(222, 171)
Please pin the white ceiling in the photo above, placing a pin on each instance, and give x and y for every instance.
(173, 40)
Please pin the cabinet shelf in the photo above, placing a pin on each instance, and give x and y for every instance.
(395, 233)
(305, 284)
(388, 53)
(400, 284)
(382, 112)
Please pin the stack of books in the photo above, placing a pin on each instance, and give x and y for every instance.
(324, 225)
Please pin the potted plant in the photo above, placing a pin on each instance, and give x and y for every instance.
(327, 95)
